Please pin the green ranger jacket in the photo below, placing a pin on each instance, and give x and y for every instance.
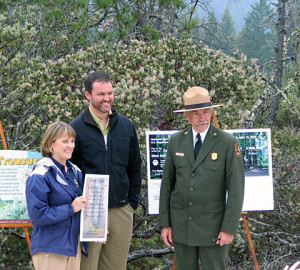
(199, 198)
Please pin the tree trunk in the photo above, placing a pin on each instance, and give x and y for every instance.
(279, 64)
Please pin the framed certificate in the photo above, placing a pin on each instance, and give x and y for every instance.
(93, 220)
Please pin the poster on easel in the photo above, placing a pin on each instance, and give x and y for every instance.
(157, 143)
(256, 148)
(15, 167)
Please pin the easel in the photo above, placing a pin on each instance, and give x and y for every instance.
(243, 214)
(10, 225)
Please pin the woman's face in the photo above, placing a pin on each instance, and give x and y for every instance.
(62, 148)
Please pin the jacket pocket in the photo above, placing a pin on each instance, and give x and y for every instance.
(180, 162)
(176, 203)
(214, 208)
(121, 151)
(214, 167)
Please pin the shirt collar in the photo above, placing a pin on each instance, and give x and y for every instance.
(96, 118)
(100, 123)
(202, 134)
(61, 166)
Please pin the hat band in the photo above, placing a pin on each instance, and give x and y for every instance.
(196, 106)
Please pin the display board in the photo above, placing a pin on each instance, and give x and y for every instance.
(255, 145)
(256, 149)
(157, 143)
(15, 166)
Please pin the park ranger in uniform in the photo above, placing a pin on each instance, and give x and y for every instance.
(202, 188)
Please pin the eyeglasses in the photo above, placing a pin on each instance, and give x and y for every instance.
(196, 114)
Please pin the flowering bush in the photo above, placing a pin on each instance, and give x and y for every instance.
(150, 79)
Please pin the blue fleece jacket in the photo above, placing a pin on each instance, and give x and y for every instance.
(49, 202)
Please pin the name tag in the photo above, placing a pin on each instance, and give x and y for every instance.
(179, 154)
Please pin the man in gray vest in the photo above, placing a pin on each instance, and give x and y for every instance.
(202, 188)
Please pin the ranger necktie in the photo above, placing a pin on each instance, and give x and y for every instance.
(197, 145)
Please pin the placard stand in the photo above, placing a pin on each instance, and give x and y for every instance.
(250, 241)
(3, 137)
(243, 214)
(10, 225)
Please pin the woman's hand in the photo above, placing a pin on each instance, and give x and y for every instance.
(78, 203)
(103, 242)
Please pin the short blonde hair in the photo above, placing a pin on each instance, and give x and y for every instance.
(54, 131)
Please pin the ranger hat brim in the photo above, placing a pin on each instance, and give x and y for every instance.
(196, 98)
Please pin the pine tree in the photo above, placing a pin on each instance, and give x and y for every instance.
(212, 32)
(257, 38)
(228, 33)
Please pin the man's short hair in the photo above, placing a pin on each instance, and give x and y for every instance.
(95, 76)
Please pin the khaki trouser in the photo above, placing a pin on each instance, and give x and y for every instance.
(50, 261)
(112, 255)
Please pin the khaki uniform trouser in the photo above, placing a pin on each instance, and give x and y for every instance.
(112, 255)
(50, 261)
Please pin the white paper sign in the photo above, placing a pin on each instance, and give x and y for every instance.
(256, 148)
(157, 143)
(93, 220)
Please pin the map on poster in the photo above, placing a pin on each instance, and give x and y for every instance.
(15, 166)
(255, 145)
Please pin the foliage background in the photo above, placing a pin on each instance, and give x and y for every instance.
(44, 62)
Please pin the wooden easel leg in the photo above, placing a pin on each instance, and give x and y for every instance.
(28, 242)
(174, 264)
(27, 237)
(250, 242)
(3, 137)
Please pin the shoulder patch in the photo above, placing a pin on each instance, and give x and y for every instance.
(237, 150)
(39, 170)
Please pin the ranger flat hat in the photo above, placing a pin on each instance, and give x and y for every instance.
(196, 98)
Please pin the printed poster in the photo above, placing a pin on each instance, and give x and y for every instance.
(157, 143)
(93, 224)
(15, 167)
(256, 149)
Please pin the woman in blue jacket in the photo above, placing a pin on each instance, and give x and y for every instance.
(54, 200)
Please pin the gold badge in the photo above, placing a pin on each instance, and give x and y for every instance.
(76, 182)
(214, 156)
